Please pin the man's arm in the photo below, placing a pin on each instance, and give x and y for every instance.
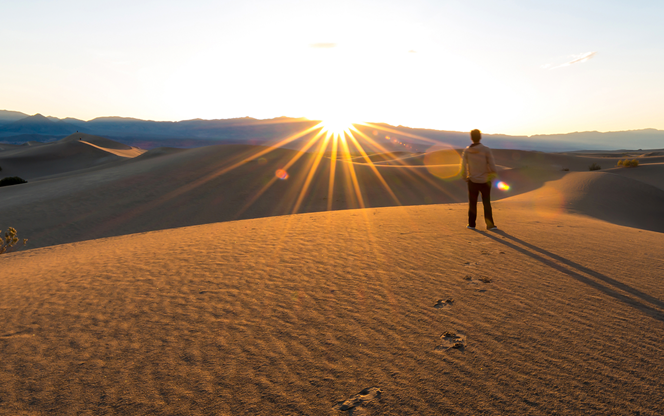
(464, 166)
(493, 170)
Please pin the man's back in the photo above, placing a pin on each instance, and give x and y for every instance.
(477, 163)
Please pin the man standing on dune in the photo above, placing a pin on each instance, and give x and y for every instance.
(478, 169)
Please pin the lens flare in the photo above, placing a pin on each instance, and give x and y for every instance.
(281, 174)
(502, 186)
(443, 161)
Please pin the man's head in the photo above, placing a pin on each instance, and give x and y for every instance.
(476, 136)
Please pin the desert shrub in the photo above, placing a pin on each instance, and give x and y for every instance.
(628, 163)
(594, 166)
(8, 243)
(12, 180)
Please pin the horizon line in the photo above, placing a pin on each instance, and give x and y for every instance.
(306, 119)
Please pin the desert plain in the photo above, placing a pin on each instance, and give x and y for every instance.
(196, 282)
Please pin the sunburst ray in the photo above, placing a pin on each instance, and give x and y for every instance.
(287, 166)
(333, 170)
(372, 166)
(407, 168)
(312, 172)
(351, 170)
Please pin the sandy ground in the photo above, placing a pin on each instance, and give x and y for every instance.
(559, 314)
(396, 310)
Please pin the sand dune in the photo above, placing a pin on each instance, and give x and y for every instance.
(176, 189)
(97, 141)
(160, 151)
(8, 146)
(651, 173)
(515, 159)
(73, 153)
(606, 196)
(335, 313)
(98, 194)
(128, 153)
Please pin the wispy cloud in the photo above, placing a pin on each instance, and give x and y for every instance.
(412, 51)
(323, 45)
(575, 59)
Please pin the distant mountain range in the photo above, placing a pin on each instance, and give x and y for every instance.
(19, 128)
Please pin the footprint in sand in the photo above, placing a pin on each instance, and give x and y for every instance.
(451, 341)
(204, 291)
(442, 304)
(476, 281)
(359, 401)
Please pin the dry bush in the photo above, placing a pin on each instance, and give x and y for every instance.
(8, 243)
(594, 166)
(628, 163)
(12, 180)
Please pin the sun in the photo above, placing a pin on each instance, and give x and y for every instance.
(336, 125)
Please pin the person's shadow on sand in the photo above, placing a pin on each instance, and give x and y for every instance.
(574, 270)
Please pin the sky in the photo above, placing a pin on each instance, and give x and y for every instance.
(518, 67)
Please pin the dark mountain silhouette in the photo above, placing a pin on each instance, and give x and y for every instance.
(630, 139)
(38, 124)
(246, 130)
(75, 121)
(7, 116)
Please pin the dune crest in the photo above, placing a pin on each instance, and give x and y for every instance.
(128, 153)
(74, 154)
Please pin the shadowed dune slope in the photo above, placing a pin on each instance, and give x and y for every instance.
(159, 151)
(652, 174)
(607, 196)
(168, 188)
(173, 189)
(299, 314)
(8, 146)
(64, 156)
(512, 158)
